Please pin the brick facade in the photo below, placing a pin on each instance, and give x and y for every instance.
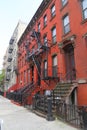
(64, 29)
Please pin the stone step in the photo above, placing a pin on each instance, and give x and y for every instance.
(62, 90)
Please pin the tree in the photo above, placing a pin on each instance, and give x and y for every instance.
(2, 75)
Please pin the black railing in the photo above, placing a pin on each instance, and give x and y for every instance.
(70, 114)
(50, 73)
(40, 103)
(70, 76)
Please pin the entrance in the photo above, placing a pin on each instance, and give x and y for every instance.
(70, 62)
(73, 97)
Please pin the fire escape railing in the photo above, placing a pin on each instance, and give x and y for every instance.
(35, 52)
(50, 73)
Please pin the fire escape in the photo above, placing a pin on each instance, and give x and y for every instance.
(34, 57)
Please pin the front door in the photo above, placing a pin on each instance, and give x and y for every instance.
(70, 62)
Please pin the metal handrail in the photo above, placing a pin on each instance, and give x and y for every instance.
(69, 73)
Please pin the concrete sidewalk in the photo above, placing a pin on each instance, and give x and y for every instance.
(18, 118)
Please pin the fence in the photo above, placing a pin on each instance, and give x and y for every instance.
(70, 113)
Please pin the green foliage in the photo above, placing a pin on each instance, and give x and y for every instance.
(2, 75)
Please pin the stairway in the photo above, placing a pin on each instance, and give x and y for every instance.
(62, 90)
(29, 93)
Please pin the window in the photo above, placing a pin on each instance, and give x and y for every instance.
(45, 20)
(28, 75)
(66, 24)
(64, 2)
(45, 40)
(45, 69)
(54, 35)
(53, 12)
(84, 8)
(54, 67)
(25, 77)
(38, 27)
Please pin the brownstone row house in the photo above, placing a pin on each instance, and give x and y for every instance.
(52, 52)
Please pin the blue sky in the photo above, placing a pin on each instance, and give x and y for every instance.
(11, 11)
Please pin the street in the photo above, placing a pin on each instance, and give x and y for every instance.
(15, 117)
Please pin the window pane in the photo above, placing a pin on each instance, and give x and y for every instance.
(53, 9)
(54, 60)
(53, 32)
(54, 35)
(66, 20)
(67, 28)
(39, 27)
(85, 14)
(84, 4)
(64, 2)
(45, 65)
(45, 69)
(45, 40)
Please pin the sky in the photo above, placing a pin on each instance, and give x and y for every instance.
(11, 11)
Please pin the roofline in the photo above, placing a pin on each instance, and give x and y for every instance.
(36, 16)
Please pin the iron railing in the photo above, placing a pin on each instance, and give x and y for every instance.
(50, 73)
(40, 103)
(69, 76)
(70, 114)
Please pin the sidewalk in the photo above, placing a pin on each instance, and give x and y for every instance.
(18, 118)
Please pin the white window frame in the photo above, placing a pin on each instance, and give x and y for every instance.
(66, 24)
(53, 35)
(45, 20)
(84, 8)
(64, 2)
(53, 10)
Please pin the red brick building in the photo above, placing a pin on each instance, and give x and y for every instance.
(53, 51)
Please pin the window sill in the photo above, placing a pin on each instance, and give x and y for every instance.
(64, 6)
(84, 21)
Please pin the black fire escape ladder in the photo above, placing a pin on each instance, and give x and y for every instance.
(37, 36)
(36, 62)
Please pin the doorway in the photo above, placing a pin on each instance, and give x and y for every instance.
(70, 62)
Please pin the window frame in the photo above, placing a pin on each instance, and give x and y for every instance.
(45, 20)
(83, 10)
(53, 10)
(64, 2)
(45, 72)
(66, 25)
(45, 40)
(54, 66)
(54, 38)
(39, 27)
